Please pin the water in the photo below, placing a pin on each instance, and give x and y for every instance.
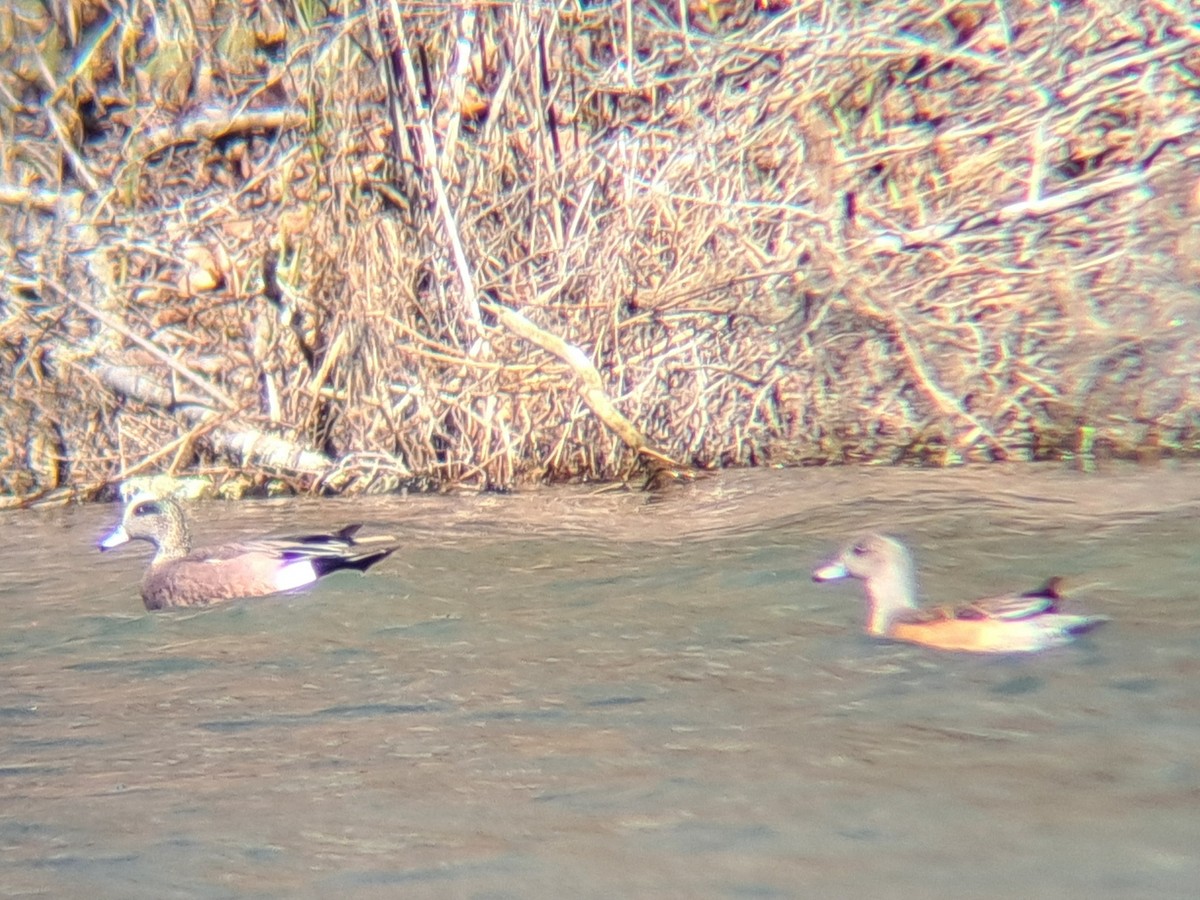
(581, 693)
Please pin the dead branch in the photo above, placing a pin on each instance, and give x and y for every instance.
(214, 124)
(592, 388)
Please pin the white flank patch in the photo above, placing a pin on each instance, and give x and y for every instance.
(294, 575)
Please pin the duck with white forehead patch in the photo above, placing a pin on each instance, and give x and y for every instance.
(180, 576)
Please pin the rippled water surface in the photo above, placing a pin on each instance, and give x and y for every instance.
(581, 693)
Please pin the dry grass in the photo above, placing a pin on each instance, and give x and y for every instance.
(524, 241)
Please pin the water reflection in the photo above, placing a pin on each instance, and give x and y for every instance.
(581, 693)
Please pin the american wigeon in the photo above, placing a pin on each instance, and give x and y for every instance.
(1016, 623)
(180, 576)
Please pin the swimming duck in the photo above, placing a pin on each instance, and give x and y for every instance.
(1017, 623)
(180, 576)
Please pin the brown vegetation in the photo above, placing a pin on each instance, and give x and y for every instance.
(369, 246)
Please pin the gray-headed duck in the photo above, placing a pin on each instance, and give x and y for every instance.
(1017, 623)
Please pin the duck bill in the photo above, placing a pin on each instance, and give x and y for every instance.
(831, 571)
(116, 539)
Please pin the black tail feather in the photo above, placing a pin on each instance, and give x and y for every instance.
(323, 565)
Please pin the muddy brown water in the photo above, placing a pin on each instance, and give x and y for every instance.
(578, 693)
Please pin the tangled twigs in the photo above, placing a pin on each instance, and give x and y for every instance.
(1039, 206)
(894, 324)
(736, 234)
(165, 358)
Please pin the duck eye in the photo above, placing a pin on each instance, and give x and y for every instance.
(859, 549)
(149, 508)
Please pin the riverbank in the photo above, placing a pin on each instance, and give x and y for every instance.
(418, 247)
